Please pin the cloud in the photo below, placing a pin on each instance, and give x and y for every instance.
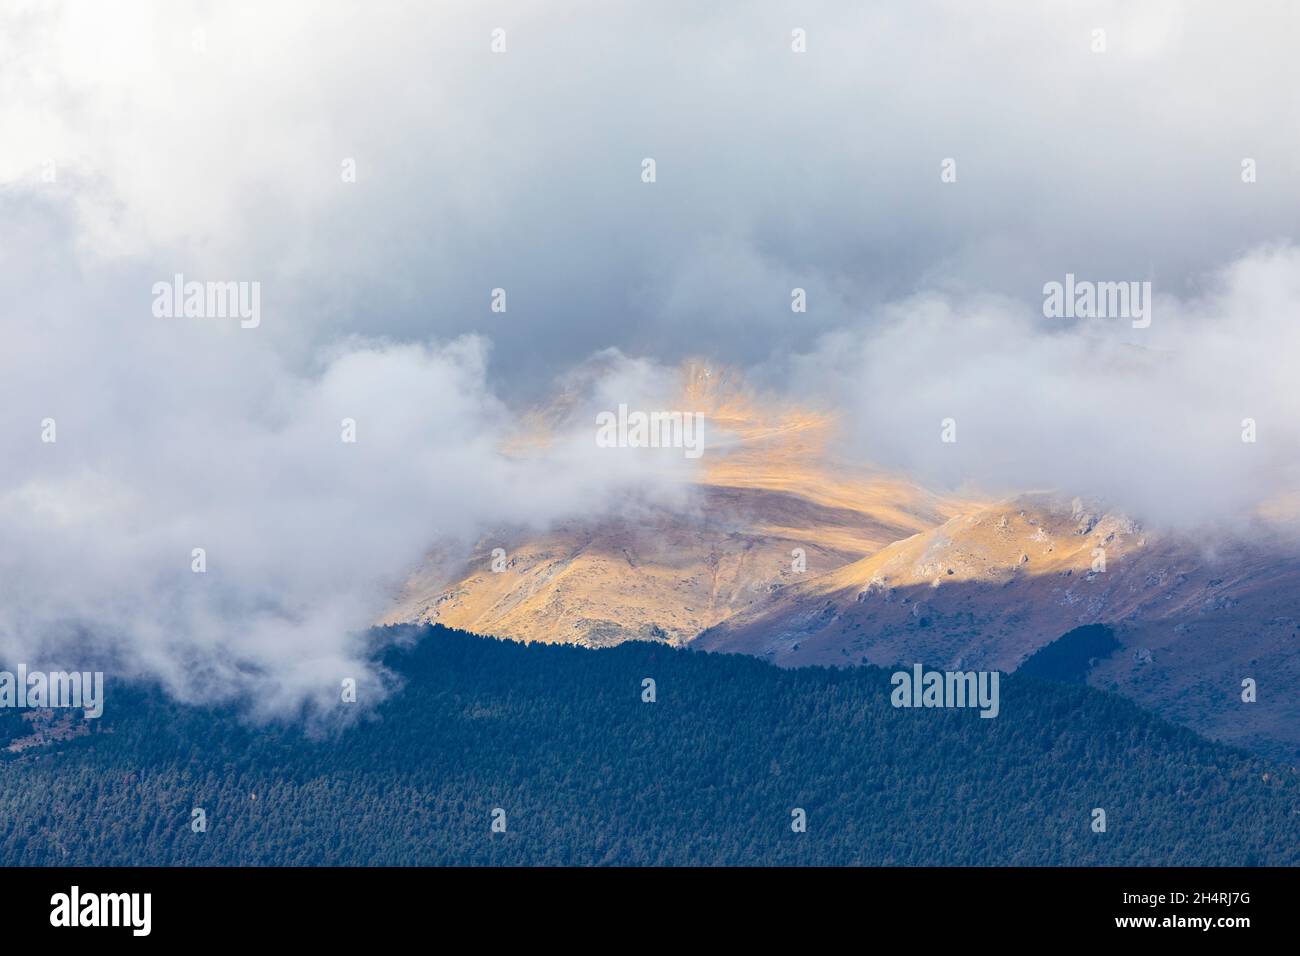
(1150, 419)
(182, 433)
(148, 139)
(305, 535)
(209, 138)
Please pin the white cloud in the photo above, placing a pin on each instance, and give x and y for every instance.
(199, 438)
(208, 139)
(1150, 419)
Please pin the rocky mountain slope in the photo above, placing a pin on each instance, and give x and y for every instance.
(771, 507)
(987, 589)
(891, 573)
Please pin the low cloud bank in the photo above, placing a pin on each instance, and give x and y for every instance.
(1188, 422)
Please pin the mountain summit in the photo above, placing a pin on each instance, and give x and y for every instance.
(785, 552)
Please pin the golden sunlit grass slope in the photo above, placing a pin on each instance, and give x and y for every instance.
(983, 589)
(767, 486)
(894, 575)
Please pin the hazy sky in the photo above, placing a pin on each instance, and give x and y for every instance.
(141, 140)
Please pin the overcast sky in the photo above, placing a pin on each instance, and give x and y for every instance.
(211, 139)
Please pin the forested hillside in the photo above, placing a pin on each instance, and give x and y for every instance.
(560, 739)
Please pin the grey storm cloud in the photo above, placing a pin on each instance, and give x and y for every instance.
(521, 170)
